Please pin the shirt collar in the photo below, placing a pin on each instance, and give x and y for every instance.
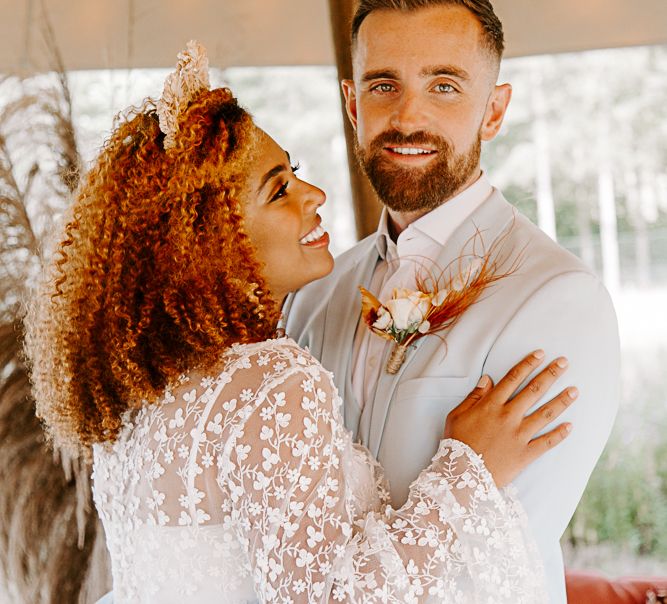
(382, 237)
(441, 222)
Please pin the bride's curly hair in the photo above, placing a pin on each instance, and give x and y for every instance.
(154, 275)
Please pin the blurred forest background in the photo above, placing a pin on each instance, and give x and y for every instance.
(583, 153)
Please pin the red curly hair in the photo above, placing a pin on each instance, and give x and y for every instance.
(154, 275)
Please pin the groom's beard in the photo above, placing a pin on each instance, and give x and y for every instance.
(406, 189)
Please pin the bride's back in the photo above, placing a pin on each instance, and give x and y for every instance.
(160, 488)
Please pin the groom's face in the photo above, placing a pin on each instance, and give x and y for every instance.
(422, 100)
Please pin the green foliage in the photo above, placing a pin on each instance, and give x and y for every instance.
(625, 502)
(592, 115)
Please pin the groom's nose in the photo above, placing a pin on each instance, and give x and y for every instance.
(408, 113)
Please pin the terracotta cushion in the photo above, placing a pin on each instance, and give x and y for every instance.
(584, 587)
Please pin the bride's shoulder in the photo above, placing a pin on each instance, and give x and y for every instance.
(249, 367)
(275, 355)
(277, 364)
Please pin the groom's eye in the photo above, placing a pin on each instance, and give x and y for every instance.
(444, 88)
(382, 88)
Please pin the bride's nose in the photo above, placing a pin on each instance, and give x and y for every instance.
(314, 197)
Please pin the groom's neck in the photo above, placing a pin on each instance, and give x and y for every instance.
(399, 221)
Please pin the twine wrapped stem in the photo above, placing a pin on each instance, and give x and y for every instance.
(396, 358)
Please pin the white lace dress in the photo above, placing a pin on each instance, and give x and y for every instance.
(244, 487)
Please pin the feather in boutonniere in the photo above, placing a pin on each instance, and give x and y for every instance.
(439, 300)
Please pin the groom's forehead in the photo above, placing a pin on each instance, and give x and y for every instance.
(438, 35)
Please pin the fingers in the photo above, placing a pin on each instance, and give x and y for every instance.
(515, 377)
(484, 385)
(547, 413)
(538, 386)
(540, 445)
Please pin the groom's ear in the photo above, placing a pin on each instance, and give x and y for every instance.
(496, 109)
(350, 94)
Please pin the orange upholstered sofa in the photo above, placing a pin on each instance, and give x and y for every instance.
(594, 588)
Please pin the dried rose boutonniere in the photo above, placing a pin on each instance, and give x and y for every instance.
(438, 302)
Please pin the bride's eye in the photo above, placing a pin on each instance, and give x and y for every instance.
(280, 192)
(296, 168)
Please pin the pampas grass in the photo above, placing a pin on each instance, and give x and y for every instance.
(46, 534)
(51, 544)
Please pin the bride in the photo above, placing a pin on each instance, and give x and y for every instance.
(222, 469)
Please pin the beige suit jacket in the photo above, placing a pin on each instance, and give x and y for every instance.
(552, 302)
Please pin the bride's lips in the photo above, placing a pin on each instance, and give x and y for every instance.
(316, 237)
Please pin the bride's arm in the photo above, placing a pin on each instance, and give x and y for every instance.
(457, 537)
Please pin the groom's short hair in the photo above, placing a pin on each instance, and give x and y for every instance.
(492, 27)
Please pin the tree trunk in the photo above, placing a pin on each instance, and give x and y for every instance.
(636, 200)
(587, 251)
(608, 228)
(642, 253)
(546, 216)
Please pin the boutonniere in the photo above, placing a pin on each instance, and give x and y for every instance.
(439, 300)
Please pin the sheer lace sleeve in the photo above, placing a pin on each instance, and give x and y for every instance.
(287, 494)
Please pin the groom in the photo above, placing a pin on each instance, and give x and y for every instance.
(423, 98)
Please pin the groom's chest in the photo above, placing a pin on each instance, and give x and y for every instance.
(403, 421)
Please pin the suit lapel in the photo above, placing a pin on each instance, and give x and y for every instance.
(490, 220)
(342, 318)
(373, 418)
(479, 231)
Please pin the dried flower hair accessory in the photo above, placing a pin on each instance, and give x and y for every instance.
(181, 87)
(437, 303)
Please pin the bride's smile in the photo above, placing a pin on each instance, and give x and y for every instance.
(282, 221)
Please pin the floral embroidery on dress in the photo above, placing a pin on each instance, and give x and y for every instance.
(244, 486)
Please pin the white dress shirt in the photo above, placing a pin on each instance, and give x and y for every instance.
(420, 242)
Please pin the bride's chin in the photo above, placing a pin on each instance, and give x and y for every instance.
(329, 266)
(325, 269)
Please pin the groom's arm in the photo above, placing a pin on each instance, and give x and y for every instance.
(572, 316)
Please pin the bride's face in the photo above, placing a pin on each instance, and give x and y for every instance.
(282, 222)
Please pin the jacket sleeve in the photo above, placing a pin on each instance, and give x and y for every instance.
(571, 315)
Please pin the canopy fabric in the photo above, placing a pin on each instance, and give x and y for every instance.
(95, 34)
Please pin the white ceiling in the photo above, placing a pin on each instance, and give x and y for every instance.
(149, 33)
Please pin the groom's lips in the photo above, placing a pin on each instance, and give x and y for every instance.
(410, 154)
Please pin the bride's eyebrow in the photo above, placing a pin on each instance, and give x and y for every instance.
(274, 172)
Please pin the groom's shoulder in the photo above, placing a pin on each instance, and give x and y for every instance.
(354, 255)
(540, 253)
(307, 307)
(343, 267)
(546, 267)
(549, 282)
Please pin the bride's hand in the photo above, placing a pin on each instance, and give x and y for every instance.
(498, 428)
